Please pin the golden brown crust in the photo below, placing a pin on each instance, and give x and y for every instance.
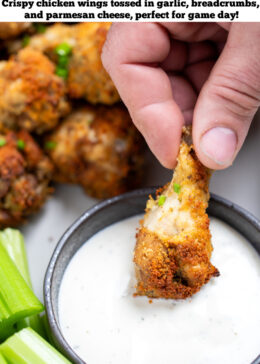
(12, 29)
(25, 174)
(32, 96)
(173, 261)
(98, 148)
(87, 77)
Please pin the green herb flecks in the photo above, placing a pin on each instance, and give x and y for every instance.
(63, 49)
(161, 200)
(177, 187)
(40, 28)
(20, 144)
(62, 72)
(63, 61)
(50, 145)
(26, 40)
(63, 52)
(2, 142)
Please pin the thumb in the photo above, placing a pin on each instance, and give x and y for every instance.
(229, 99)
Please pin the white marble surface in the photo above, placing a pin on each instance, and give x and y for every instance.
(239, 183)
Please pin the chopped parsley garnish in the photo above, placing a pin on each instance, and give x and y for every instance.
(63, 61)
(161, 200)
(2, 142)
(20, 144)
(26, 40)
(63, 49)
(177, 187)
(62, 72)
(50, 144)
(40, 28)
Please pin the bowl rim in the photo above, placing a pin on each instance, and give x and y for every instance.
(48, 280)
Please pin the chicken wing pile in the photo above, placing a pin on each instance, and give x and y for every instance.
(173, 248)
(53, 86)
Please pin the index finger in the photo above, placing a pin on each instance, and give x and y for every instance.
(132, 56)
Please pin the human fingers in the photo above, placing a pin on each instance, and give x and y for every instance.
(198, 73)
(196, 32)
(184, 95)
(229, 99)
(182, 54)
(177, 57)
(132, 55)
(201, 51)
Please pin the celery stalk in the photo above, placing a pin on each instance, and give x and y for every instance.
(8, 331)
(2, 360)
(27, 347)
(34, 322)
(17, 300)
(13, 242)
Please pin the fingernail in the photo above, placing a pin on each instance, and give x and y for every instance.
(219, 144)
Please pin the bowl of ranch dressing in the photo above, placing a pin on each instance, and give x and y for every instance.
(95, 318)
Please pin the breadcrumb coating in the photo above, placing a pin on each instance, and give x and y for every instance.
(25, 174)
(87, 77)
(173, 248)
(32, 96)
(12, 29)
(99, 148)
(52, 37)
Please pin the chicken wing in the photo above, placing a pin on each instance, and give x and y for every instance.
(25, 175)
(32, 97)
(173, 248)
(12, 29)
(87, 77)
(99, 148)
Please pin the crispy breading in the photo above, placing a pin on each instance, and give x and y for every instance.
(87, 77)
(12, 29)
(32, 96)
(25, 174)
(99, 148)
(173, 248)
(53, 36)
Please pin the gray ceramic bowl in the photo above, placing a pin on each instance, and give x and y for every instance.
(106, 213)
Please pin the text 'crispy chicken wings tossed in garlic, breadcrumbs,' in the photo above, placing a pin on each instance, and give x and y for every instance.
(173, 248)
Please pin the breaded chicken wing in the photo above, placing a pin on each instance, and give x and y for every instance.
(32, 97)
(25, 174)
(52, 37)
(12, 29)
(87, 77)
(173, 248)
(98, 148)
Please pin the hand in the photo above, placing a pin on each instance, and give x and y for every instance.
(169, 74)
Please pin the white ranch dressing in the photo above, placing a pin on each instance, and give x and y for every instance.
(105, 324)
